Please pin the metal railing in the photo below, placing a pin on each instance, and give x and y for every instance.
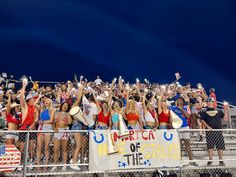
(59, 155)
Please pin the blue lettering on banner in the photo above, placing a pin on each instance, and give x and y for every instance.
(96, 139)
(2, 150)
(122, 164)
(166, 138)
(147, 162)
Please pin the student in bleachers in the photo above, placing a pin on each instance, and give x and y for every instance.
(150, 115)
(62, 121)
(163, 114)
(46, 118)
(181, 110)
(13, 118)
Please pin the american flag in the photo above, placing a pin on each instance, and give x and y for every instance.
(9, 156)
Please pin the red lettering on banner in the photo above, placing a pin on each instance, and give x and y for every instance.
(116, 137)
(134, 135)
(131, 133)
(151, 135)
(143, 135)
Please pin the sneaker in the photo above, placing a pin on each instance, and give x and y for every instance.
(86, 160)
(19, 169)
(79, 161)
(209, 163)
(75, 167)
(221, 163)
(30, 163)
(53, 169)
(193, 163)
(64, 168)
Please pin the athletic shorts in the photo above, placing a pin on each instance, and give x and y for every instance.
(215, 139)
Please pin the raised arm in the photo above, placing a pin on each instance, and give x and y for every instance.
(159, 104)
(79, 96)
(31, 80)
(157, 121)
(110, 101)
(140, 120)
(22, 97)
(226, 113)
(186, 114)
(120, 83)
(144, 104)
(37, 100)
(127, 108)
(9, 104)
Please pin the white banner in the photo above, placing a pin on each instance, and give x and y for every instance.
(146, 149)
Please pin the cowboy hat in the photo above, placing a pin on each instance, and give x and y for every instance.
(13, 105)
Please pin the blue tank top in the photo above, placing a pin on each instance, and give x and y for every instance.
(45, 115)
(115, 118)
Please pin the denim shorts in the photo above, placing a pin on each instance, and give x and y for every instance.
(99, 127)
(114, 127)
(163, 127)
(149, 127)
(76, 126)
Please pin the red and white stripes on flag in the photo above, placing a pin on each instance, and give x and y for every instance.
(9, 156)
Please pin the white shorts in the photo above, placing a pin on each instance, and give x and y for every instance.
(184, 134)
(62, 135)
(44, 128)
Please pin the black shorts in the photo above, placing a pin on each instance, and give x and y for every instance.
(215, 139)
(22, 136)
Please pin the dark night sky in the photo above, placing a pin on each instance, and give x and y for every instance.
(53, 39)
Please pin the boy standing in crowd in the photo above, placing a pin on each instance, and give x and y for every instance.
(182, 113)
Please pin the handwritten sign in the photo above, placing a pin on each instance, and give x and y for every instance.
(146, 149)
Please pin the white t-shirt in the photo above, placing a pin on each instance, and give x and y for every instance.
(98, 81)
(89, 110)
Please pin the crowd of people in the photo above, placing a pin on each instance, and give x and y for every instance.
(142, 105)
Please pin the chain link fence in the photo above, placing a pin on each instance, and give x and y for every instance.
(66, 153)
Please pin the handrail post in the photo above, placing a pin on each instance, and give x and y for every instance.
(26, 155)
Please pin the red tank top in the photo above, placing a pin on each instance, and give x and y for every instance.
(152, 113)
(104, 119)
(164, 117)
(29, 119)
(132, 117)
(14, 119)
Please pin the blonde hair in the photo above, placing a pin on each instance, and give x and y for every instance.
(50, 106)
